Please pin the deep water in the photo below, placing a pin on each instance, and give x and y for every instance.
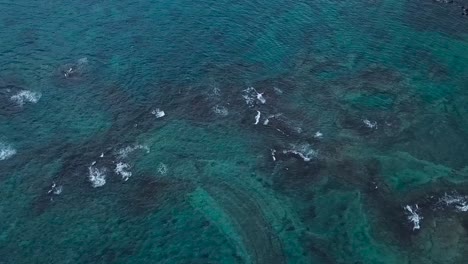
(240, 131)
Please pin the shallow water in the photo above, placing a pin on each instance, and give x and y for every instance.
(233, 131)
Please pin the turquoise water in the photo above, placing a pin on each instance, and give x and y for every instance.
(233, 131)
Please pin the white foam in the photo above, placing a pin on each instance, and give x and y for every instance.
(24, 96)
(220, 110)
(54, 189)
(257, 118)
(462, 208)
(216, 91)
(122, 169)
(370, 124)
(273, 154)
(277, 90)
(96, 176)
(318, 134)
(68, 72)
(261, 98)
(82, 61)
(249, 100)
(6, 151)
(250, 95)
(58, 190)
(459, 202)
(413, 216)
(451, 199)
(162, 169)
(267, 120)
(124, 152)
(158, 113)
(305, 151)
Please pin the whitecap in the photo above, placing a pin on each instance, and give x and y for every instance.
(124, 152)
(96, 176)
(55, 189)
(24, 96)
(370, 124)
(249, 100)
(462, 208)
(216, 91)
(220, 110)
(459, 202)
(273, 154)
(267, 120)
(257, 118)
(6, 151)
(250, 95)
(122, 169)
(58, 190)
(261, 98)
(158, 113)
(305, 151)
(318, 134)
(162, 169)
(413, 216)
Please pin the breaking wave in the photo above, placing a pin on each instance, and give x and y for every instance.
(6, 151)
(25, 96)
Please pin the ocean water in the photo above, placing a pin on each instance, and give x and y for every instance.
(234, 131)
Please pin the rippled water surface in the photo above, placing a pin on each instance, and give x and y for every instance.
(234, 131)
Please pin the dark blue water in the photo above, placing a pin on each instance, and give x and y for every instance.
(234, 131)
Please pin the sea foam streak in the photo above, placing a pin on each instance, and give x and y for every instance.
(257, 118)
(124, 152)
(6, 151)
(25, 96)
(460, 202)
(305, 151)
